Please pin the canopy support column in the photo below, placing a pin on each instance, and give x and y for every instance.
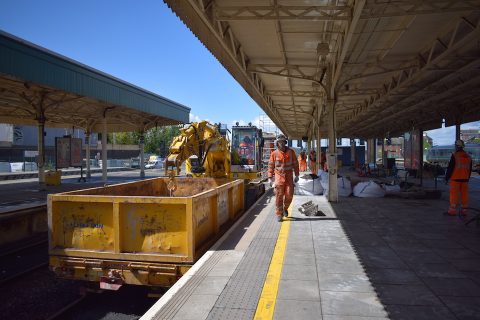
(420, 156)
(332, 154)
(87, 152)
(352, 152)
(41, 150)
(104, 147)
(319, 145)
(141, 143)
(40, 117)
(384, 159)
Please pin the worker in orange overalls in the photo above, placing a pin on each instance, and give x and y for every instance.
(323, 162)
(313, 161)
(458, 172)
(281, 165)
(302, 161)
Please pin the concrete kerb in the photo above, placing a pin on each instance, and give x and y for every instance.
(150, 314)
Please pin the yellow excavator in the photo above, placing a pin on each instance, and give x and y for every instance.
(205, 151)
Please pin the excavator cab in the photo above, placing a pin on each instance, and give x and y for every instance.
(247, 143)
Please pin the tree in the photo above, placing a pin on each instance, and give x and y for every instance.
(157, 140)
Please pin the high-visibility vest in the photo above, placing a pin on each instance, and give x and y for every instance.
(463, 163)
(282, 164)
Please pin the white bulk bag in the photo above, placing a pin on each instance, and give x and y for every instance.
(392, 190)
(344, 187)
(308, 187)
(368, 189)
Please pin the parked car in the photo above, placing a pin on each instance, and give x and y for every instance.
(154, 164)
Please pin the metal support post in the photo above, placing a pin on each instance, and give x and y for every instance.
(41, 150)
(352, 151)
(104, 148)
(457, 131)
(141, 143)
(87, 151)
(332, 154)
(384, 159)
(420, 156)
(319, 149)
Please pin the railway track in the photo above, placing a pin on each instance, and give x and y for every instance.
(23, 257)
(130, 302)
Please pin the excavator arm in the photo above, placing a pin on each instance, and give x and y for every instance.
(203, 140)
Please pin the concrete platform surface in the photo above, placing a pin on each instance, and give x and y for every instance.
(365, 258)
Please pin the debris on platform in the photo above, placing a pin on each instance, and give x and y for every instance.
(310, 209)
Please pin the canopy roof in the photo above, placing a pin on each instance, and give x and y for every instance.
(36, 83)
(387, 65)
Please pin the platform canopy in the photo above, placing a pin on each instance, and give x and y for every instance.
(37, 84)
(383, 66)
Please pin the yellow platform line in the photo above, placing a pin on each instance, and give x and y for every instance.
(268, 298)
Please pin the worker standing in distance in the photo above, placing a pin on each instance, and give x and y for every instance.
(458, 172)
(313, 161)
(283, 162)
(302, 161)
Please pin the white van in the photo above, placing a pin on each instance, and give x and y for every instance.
(154, 164)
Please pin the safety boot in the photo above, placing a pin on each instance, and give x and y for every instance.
(285, 213)
(452, 211)
(279, 218)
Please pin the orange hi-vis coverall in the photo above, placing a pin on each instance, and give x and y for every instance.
(282, 164)
(302, 161)
(458, 172)
(313, 161)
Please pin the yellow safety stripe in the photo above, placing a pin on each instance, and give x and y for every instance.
(268, 298)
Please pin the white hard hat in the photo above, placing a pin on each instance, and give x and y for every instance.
(281, 137)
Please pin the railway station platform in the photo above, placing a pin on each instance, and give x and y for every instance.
(365, 258)
(20, 193)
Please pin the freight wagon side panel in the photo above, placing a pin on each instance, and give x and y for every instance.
(153, 228)
(140, 228)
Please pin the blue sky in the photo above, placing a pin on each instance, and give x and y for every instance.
(145, 44)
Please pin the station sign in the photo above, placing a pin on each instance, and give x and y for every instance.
(30, 153)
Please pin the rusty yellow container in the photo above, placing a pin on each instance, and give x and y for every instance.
(53, 178)
(135, 232)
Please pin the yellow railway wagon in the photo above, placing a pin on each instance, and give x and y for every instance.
(136, 233)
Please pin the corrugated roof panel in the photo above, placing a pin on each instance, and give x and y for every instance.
(27, 62)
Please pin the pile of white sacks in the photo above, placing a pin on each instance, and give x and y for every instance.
(308, 186)
(319, 185)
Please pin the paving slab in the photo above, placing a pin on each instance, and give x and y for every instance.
(352, 304)
(300, 290)
(453, 287)
(297, 309)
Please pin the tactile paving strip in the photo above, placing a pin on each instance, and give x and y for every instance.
(173, 305)
(240, 297)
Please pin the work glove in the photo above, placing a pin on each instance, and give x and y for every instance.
(296, 179)
(270, 181)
